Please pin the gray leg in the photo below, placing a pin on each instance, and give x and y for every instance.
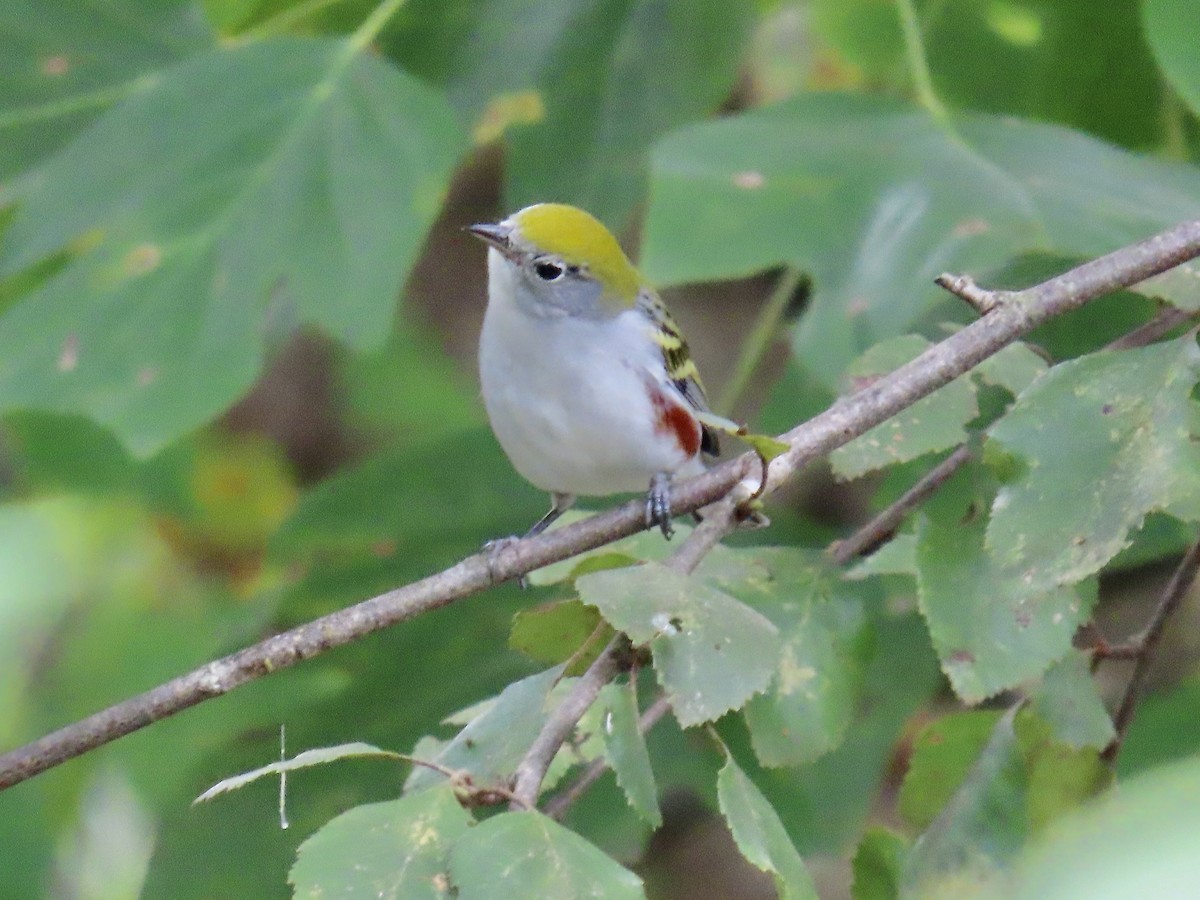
(559, 504)
(658, 504)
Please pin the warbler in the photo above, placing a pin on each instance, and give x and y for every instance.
(587, 380)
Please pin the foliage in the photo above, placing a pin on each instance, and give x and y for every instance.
(192, 190)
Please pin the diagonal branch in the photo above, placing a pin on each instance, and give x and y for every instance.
(1145, 645)
(1013, 315)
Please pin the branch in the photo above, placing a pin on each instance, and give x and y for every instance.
(872, 534)
(876, 531)
(557, 807)
(1146, 644)
(562, 721)
(1013, 315)
(531, 771)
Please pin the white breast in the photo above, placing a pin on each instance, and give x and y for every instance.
(568, 399)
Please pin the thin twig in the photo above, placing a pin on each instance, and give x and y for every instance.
(558, 805)
(964, 288)
(872, 534)
(1147, 643)
(1018, 314)
(559, 725)
(1161, 325)
(562, 720)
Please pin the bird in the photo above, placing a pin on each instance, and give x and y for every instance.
(588, 383)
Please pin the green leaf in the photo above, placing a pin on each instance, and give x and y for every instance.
(1168, 25)
(304, 198)
(643, 546)
(518, 855)
(878, 864)
(815, 693)
(318, 756)
(62, 63)
(1068, 701)
(1138, 841)
(396, 850)
(980, 829)
(874, 230)
(992, 630)
(1131, 451)
(491, 745)
(626, 751)
(1014, 368)
(621, 75)
(1166, 728)
(897, 557)
(711, 653)
(932, 423)
(759, 834)
(943, 752)
(554, 632)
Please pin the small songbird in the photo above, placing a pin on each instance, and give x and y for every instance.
(587, 381)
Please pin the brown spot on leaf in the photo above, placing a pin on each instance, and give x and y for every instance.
(1106, 409)
(55, 66)
(962, 657)
(971, 227)
(147, 375)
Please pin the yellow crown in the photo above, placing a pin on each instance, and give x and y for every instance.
(580, 239)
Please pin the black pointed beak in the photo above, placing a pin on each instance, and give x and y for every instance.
(496, 235)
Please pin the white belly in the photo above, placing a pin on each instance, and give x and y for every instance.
(568, 401)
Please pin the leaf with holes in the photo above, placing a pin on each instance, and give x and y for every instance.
(991, 628)
(711, 652)
(1132, 450)
(815, 692)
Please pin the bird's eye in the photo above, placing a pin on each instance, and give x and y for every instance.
(548, 271)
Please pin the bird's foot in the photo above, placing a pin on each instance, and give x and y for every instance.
(658, 505)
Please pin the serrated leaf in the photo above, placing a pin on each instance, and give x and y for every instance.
(62, 63)
(554, 632)
(294, 186)
(932, 423)
(876, 230)
(318, 756)
(878, 864)
(711, 653)
(395, 850)
(759, 834)
(491, 745)
(1131, 424)
(980, 829)
(991, 629)
(518, 855)
(812, 700)
(625, 749)
(1069, 702)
